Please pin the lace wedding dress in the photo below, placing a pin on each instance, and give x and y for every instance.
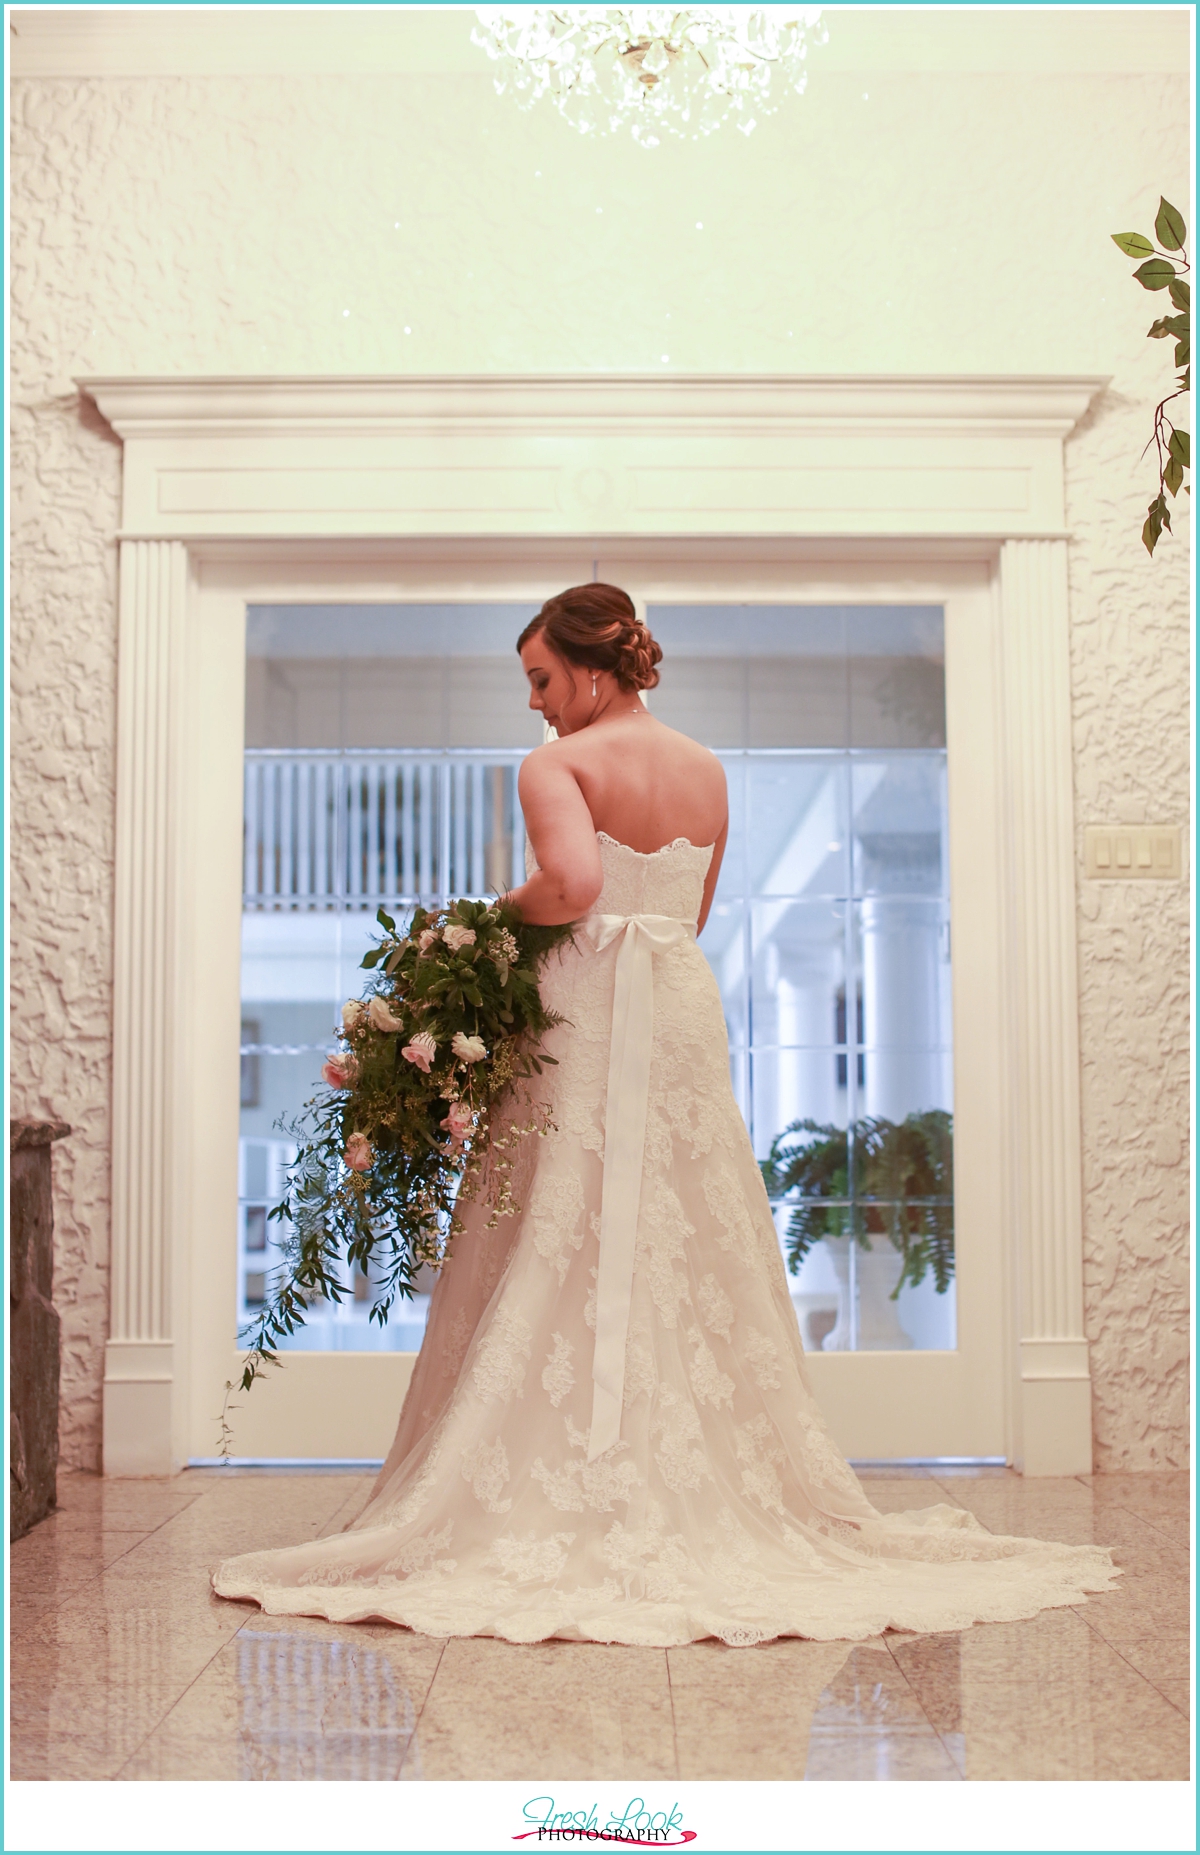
(614, 1441)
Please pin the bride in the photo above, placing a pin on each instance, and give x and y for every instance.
(609, 1434)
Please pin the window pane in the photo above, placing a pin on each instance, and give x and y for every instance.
(797, 840)
(899, 824)
(897, 679)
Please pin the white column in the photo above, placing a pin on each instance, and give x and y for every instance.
(1053, 1423)
(901, 1016)
(140, 1405)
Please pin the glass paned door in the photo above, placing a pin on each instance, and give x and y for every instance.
(830, 940)
(379, 763)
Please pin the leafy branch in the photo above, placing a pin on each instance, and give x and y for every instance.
(1162, 272)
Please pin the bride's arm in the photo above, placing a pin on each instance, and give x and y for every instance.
(710, 881)
(569, 875)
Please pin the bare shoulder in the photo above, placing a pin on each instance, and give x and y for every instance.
(547, 762)
(690, 752)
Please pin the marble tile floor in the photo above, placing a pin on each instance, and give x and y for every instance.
(124, 1665)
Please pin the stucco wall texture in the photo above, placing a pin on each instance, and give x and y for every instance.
(952, 223)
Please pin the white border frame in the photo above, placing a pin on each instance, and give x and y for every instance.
(226, 478)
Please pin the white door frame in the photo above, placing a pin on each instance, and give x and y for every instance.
(232, 487)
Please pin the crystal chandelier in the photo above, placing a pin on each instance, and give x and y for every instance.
(658, 70)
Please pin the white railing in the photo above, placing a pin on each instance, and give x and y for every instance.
(329, 829)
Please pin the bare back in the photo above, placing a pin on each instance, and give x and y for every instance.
(634, 779)
(645, 784)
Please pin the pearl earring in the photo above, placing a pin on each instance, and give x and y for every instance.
(593, 685)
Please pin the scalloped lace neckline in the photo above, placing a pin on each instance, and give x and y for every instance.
(678, 843)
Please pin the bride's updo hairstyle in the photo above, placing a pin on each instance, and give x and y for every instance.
(595, 627)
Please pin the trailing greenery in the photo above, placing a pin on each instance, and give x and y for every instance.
(406, 1128)
(877, 1178)
(1160, 272)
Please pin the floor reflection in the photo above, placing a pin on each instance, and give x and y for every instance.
(124, 1665)
(313, 1710)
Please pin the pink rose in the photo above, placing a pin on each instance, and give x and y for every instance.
(458, 1123)
(359, 1155)
(421, 1050)
(340, 1070)
(426, 938)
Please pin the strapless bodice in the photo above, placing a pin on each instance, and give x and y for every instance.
(669, 881)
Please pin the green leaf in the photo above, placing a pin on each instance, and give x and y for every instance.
(1181, 447)
(385, 920)
(1173, 475)
(1183, 352)
(1132, 244)
(1153, 526)
(372, 958)
(1169, 228)
(1158, 331)
(1181, 293)
(1158, 517)
(1154, 274)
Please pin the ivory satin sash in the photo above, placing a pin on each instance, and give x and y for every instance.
(624, 1148)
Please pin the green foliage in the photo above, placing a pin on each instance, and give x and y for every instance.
(1162, 273)
(1154, 274)
(877, 1178)
(1132, 244)
(1169, 228)
(381, 1159)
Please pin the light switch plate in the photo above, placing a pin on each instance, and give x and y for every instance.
(1132, 852)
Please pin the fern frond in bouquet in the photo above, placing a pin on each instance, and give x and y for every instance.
(407, 1126)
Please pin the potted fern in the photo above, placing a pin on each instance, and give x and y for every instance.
(880, 1185)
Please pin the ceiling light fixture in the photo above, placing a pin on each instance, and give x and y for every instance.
(656, 70)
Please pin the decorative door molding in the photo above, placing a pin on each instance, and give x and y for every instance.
(917, 466)
(596, 454)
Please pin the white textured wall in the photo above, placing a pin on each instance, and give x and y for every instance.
(1130, 677)
(935, 223)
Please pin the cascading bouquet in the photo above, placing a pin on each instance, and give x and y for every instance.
(407, 1128)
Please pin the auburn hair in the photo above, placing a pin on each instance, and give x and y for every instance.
(595, 627)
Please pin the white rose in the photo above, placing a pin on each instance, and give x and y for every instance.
(382, 1018)
(426, 938)
(468, 1049)
(353, 1013)
(456, 936)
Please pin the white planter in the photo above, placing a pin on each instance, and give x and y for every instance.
(876, 1273)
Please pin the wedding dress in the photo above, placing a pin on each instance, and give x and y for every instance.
(609, 1435)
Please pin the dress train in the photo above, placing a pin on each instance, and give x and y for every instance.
(615, 1441)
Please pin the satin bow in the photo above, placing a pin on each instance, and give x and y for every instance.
(624, 1147)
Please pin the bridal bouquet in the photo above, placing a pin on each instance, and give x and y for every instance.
(407, 1127)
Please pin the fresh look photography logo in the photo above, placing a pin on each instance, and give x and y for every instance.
(636, 1826)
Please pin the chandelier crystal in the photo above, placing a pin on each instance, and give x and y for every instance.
(657, 70)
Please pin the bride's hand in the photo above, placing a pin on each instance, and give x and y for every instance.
(569, 875)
